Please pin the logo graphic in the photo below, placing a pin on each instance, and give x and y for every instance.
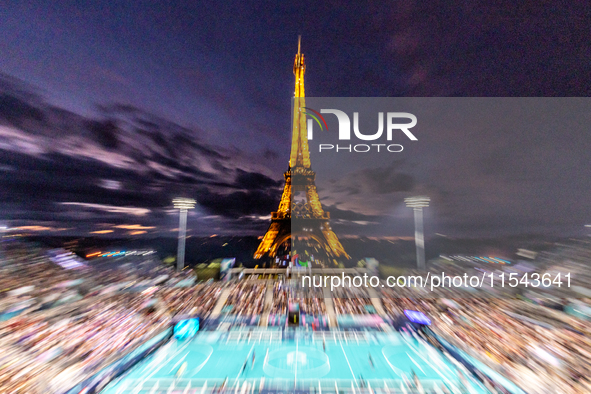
(314, 116)
(391, 120)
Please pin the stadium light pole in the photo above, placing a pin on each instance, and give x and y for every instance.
(417, 204)
(183, 205)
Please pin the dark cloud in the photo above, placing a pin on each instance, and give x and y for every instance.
(56, 178)
(127, 167)
(349, 215)
(269, 154)
(255, 181)
(13, 109)
(377, 180)
(239, 204)
(386, 180)
(105, 133)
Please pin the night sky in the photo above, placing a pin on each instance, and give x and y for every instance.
(109, 110)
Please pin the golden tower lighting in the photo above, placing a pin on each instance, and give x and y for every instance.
(307, 217)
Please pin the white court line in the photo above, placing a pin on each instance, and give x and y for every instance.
(434, 355)
(170, 388)
(417, 364)
(296, 362)
(437, 356)
(159, 367)
(473, 382)
(180, 361)
(454, 388)
(403, 388)
(155, 387)
(240, 370)
(347, 358)
(139, 388)
(148, 365)
(200, 366)
(123, 388)
(391, 366)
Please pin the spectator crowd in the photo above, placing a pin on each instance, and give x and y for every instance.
(62, 323)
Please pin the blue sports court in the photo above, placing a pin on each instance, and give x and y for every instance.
(329, 362)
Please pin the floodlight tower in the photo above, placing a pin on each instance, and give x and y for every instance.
(417, 204)
(183, 205)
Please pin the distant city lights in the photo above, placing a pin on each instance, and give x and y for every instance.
(101, 232)
(476, 259)
(120, 253)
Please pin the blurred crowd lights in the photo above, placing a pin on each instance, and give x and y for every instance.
(476, 259)
(120, 253)
(65, 258)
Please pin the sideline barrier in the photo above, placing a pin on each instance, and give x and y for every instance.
(277, 386)
(102, 378)
(474, 365)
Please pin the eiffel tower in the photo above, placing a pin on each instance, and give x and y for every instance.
(300, 219)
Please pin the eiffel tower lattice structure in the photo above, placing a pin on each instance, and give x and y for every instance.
(300, 216)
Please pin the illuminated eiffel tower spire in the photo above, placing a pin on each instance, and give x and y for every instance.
(300, 155)
(302, 216)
